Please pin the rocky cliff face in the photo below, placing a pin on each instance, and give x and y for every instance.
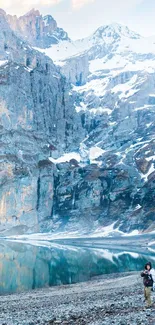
(38, 30)
(37, 120)
(77, 139)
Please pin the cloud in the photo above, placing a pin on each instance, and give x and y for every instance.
(77, 4)
(22, 6)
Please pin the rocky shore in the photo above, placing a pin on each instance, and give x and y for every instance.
(110, 299)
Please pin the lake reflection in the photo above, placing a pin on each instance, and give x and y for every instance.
(24, 266)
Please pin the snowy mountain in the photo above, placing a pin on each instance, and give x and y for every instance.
(77, 137)
(115, 37)
(112, 76)
(116, 74)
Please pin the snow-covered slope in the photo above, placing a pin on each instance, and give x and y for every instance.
(121, 66)
(113, 85)
(106, 41)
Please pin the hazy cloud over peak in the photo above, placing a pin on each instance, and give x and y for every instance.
(22, 6)
(77, 4)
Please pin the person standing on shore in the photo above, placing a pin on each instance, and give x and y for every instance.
(148, 283)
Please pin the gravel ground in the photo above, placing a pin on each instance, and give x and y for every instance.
(111, 299)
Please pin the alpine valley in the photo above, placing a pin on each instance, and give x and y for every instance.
(77, 129)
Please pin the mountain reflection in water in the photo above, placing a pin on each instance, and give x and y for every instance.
(24, 266)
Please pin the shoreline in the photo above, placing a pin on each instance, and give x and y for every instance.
(108, 299)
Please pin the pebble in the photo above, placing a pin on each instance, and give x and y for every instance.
(90, 303)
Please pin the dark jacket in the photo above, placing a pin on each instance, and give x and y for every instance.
(147, 277)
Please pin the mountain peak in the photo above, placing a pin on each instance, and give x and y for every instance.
(40, 31)
(115, 30)
(32, 12)
(2, 12)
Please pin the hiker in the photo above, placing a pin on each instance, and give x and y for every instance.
(148, 283)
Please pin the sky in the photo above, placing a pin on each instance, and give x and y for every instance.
(81, 18)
